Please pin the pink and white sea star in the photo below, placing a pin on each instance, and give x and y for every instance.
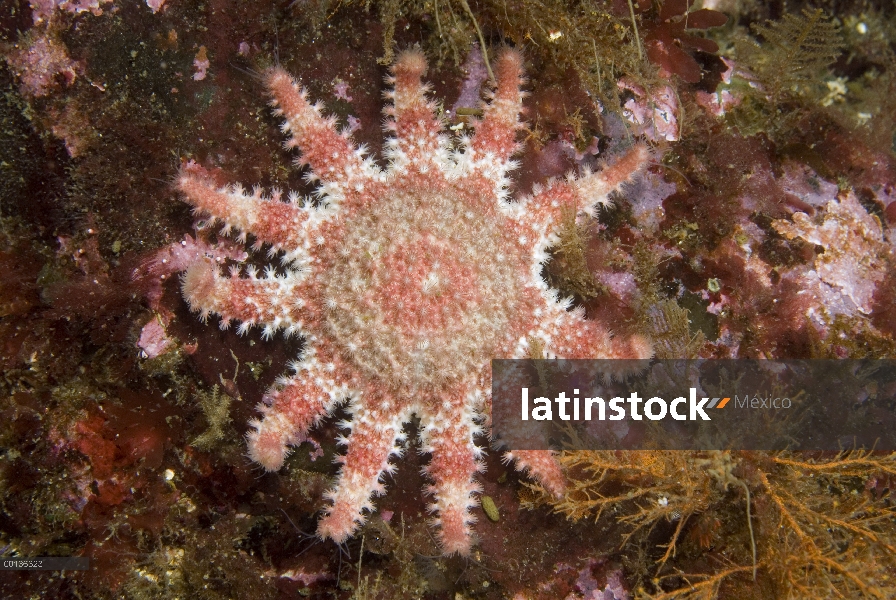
(405, 282)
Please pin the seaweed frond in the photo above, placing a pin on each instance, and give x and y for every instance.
(670, 329)
(792, 53)
(571, 266)
(797, 525)
(216, 408)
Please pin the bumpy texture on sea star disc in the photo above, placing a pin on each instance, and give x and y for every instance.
(405, 282)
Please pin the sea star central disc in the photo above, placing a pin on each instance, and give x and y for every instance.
(409, 291)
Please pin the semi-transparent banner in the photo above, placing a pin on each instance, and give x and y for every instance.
(804, 405)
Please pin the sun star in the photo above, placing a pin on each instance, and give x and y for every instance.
(404, 282)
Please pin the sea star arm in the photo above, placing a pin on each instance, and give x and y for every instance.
(540, 465)
(272, 300)
(594, 188)
(494, 142)
(372, 441)
(284, 225)
(417, 139)
(543, 211)
(447, 434)
(292, 407)
(330, 154)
